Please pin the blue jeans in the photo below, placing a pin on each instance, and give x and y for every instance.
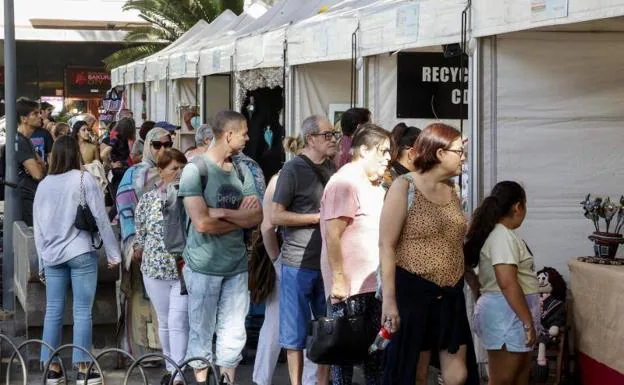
(216, 305)
(82, 270)
(301, 295)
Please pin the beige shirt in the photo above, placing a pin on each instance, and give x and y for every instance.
(504, 247)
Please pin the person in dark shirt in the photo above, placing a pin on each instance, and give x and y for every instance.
(30, 166)
(116, 149)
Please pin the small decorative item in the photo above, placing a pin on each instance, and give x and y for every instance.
(552, 289)
(605, 243)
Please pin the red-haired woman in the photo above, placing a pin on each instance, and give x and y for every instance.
(422, 264)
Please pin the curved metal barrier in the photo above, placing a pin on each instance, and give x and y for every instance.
(31, 342)
(21, 359)
(136, 362)
(149, 355)
(118, 351)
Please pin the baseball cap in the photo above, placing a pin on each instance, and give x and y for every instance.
(167, 126)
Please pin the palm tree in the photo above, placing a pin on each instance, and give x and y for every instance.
(168, 20)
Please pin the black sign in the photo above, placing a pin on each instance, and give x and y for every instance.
(86, 82)
(430, 86)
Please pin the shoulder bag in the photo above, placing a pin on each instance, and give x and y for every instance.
(85, 221)
(339, 340)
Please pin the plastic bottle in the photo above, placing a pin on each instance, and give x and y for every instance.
(381, 341)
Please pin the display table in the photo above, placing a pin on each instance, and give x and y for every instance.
(598, 297)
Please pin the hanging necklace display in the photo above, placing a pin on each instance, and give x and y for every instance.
(251, 107)
(268, 136)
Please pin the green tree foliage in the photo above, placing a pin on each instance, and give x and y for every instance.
(168, 20)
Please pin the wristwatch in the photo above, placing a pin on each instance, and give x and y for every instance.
(527, 327)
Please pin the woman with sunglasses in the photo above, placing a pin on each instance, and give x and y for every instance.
(158, 266)
(138, 180)
(422, 264)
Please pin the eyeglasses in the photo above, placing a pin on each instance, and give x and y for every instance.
(329, 135)
(458, 152)
(158, 145)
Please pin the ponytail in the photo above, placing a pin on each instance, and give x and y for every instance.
(493, 208)
(403, 136)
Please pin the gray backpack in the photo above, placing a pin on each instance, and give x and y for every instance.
(176, 222)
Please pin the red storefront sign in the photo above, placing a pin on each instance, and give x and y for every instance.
(86, 82)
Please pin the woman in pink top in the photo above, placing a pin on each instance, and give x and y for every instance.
(350, 213)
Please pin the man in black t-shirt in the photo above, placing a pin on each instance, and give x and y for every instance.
(30, 166)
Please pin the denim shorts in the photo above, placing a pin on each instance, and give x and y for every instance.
(498, 325)
(301, 295)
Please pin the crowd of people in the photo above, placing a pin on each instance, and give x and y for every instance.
(361, 220)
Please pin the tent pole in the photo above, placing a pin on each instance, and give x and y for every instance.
(474, 85)
(11, 195)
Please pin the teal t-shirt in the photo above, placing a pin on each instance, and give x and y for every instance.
(225, 254)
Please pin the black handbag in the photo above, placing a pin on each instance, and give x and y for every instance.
(85, 221)
(338, 340)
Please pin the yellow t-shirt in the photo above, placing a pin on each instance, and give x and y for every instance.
(503, 246)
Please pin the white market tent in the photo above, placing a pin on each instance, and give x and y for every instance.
(569, 106)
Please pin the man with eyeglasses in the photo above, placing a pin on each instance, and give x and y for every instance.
(296, 205)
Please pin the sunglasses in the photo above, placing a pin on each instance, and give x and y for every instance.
(158, 145)
(329, 135)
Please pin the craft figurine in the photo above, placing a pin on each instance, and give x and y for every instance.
(609, 210)
(620, 217)
(605, 242)
(552, 290)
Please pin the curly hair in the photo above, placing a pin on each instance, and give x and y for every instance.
(558, 284)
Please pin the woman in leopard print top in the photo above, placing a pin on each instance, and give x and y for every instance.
(422, 264)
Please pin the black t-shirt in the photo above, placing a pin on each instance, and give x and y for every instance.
(42, 142)
(299, 189)
(25, 151)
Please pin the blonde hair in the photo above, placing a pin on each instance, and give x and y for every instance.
(293, 144)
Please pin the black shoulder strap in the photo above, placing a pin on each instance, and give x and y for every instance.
(239, 171)
(318, 170)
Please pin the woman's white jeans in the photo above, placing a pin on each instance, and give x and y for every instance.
(172, 311)
(268, 342)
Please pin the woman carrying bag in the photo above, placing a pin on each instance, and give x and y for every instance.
(350, 211)
(158, 265)
(67, 254)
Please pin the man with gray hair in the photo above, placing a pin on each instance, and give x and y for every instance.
(296, 205)
(203, 138)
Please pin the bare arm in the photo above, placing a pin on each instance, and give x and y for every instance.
(393, 217)
(507, 279)
(281, 217)
(247, 216)
(333, 234)
(34, 167)
(202, 220)
(269, 237)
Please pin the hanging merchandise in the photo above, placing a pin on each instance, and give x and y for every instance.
(112, 103)
(143, 104)
(268, 136)
(251, 107)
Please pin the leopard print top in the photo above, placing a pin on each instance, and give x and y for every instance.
(431, 243)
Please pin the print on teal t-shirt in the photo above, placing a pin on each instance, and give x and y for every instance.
(225, 254)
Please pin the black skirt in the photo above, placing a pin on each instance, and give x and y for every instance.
(433, 318)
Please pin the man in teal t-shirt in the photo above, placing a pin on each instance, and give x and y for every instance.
(215, 253)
